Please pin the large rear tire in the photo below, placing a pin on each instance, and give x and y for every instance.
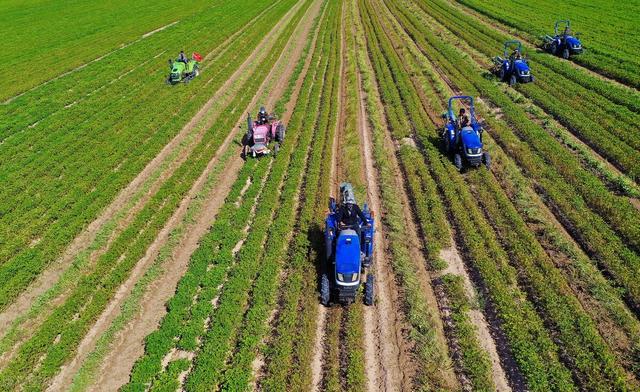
(486, 158)
(457, 161)
(501, 74)
(280, 133)
(276, 149)
(369, 294)
(325, 293)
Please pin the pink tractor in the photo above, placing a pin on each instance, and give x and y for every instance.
(260, 133)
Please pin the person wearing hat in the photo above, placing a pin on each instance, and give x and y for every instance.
(182, 57)
(463, 119)
(348, 213)
(263, 116)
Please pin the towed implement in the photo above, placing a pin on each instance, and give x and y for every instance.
(562, 44)
(463, 140)
(349, 254)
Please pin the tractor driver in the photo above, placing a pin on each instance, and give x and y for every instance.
(348, 212)
(516, 55)
(463, 119)
(182, 57)
(263, 116)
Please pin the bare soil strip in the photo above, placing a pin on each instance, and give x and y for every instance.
(129, 343)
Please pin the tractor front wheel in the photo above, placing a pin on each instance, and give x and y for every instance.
(513, 80)
(565, 54)
(457, 161)
(324, 290)
(369, 295)
(276, 148)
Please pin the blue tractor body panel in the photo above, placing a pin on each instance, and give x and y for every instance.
(465, 142)
(347, 254)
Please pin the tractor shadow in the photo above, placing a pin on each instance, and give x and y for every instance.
(316, 255)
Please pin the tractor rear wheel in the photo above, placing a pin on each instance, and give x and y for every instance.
(280, 133)
(324, 290)
(276, 148)
(369, 295)
(501, 74)
(565, 54)
(487, 159)
(457, 161)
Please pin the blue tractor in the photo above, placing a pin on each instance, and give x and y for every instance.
(349, 255)
(512, 68)
(462, 137)
(562, 44)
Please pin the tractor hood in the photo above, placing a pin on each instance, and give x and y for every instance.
(573, 42)
(470, 138)
(260, 131)
(348, 254)
(521, 66)
(177, 67)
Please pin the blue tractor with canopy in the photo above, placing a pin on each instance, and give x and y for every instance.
(461, 140)
(562, 44)
(512, 68)
(348, 255)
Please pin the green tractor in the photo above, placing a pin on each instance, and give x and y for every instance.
(183, 70)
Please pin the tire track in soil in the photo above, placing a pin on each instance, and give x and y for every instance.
(162, 166)
(154, 305)
(153, 308)
(384, 323)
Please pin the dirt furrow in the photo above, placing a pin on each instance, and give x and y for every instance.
(391, 347)
(153, 307)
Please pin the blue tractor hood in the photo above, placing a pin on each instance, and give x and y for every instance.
(521, 66)
(347, 252)
(470, 138)
(573, 41)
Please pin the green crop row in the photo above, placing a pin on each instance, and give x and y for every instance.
(290, 332)
(592, 117)
(475, 361)
(72, 209)
(607, 49)
(54, 38)
(569, 189)
(558, 308)
(70, 321)
(532, 347)
(430, 347)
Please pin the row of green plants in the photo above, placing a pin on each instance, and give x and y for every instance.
(289, 352)
(574, 194)
(607, 49)
(594, 118)
(54, 45)
(471, 358)
(67, 200)
(70, 321)
(557, 308)
(382, 87)
(530, 342)
(195, 326)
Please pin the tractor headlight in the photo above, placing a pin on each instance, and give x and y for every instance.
(340, 278)
(469, 151)
(354, 277)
